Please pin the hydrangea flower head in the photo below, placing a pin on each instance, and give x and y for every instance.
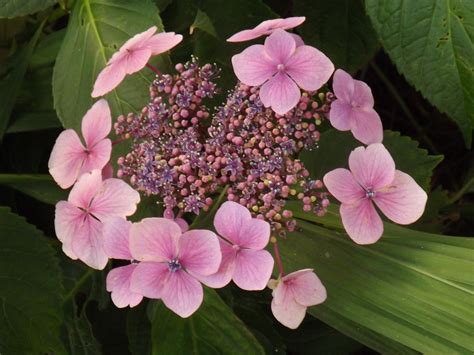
(354, 109)
(132, 57)
(266, 28)
(70, 158)
(79, 220)
(293, 294)
(372, 178)
(282, 69)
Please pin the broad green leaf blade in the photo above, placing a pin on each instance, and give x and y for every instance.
(15, 8)
(34, 121)
(30, 289)
(97, 28)
(213, 329)
(41, 187)
(412, 287)
(340, 29)
(431, 43)
(204, 23)
(335, 147)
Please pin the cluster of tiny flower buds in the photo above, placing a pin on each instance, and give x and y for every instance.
(246, 146)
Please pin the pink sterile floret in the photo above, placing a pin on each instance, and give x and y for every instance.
(282, 69)
(293, 294)
(243, 258)
(266, 28)
(354, 109)
(132, 57)
(372, 178)
(171, 262)
(69, 158)
(78, 221)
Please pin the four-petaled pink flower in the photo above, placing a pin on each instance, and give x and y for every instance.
(266, 28)
(293, 294)
(172, 262)
(69, 158)
(116, 245)
(78, 221)
(354, 109)
(132, 57)
(243, 257)
(281, 67)
(373, 178)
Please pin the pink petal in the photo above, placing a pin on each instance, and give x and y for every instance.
(403, 201)
(109, 78)
(298, 40)
(253, 269)
(137, 59)
(154, 239)
(163, 42)
(66, 220)
(66, 158)
(85, 189)
(362, 96)
(97, 123)
(182, 224)
(107, 171)
(226, 269)
(343, 86)
(307, 289)
(118, 282)
(98, 156)
(340, 115)
(235, 223)
(361, 221)
(115, 198)
(342, 185)
(309, 67)
(253, 66)
(245, 35)
(372, 167)
(280, 93)
(182, 294)
(280, 46)
(199, 252)
(149, 278)
(288, 312)
(87, 243)
(116, 238)
(138, 41)
(366, 125)
(266, 28)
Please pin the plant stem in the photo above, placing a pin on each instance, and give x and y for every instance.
(153, 68)
(461, 191)
(278, 258)
(78, 285)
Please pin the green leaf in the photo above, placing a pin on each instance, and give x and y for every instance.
(15, 8)
(139, 330)
(10, 84)
(412, 287)
(213, 329)
(30, 289)
(41, 187)
(335, 147)
(340, 29)
(97, 28)
(431, 43)
(204, 23)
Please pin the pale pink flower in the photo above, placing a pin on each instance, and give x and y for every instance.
(78, 221)
(293, 294)
(282, 69)
(266, 28)
(172, 262)
(373, 178)
(70, 158)
(354, 109)
(243, 258)
(132, 57)
(116, 246)
(181, 221)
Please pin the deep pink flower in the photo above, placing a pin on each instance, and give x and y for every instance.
(373, 178)
(281, 67)
(354, 109)
(116, 246)
(69, 158)
(78, 220)
(293, 294)
(266, 28)
(132, 57)
(243, 258)
(172, 262)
